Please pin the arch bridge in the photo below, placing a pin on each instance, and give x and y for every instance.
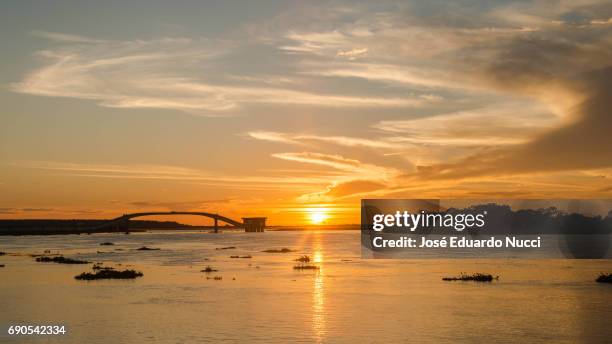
(250, 224)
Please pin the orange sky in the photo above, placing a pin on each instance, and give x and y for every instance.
(296, 112)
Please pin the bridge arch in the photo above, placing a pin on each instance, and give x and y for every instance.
(250, 224)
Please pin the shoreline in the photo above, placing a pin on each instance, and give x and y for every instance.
(87, 227)
(141, 230)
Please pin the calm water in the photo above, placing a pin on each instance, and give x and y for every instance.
(349, 300)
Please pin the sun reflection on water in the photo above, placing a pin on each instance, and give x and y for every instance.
(318, 295)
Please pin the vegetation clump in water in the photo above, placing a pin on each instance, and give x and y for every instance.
(477, 277)
(306, 267)
(209, 269)
(109, 274)
(303, 259)
(144, 248)
(106, 244)
(282, 250)
(241, 257)
(604, 278)
(60, 260)
(99, 266)
(226, 248)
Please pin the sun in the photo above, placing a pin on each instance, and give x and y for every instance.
(318, 216)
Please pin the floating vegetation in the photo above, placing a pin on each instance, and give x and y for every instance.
(478, 277)
(306, 267)
(241, 257)
(303, 259)
(60, 260)
(282, 250)
(106, 244)
(604, 278)
(144, 248)
(100, 267)
(226, 248)
(109, 274)
(209, 269)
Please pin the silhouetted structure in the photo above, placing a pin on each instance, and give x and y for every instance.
(254, 224)
(251, 224)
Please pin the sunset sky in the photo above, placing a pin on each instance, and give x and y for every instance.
(297, 110)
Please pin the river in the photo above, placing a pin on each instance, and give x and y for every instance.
(263, 299)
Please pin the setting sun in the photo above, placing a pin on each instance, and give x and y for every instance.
(318, 216)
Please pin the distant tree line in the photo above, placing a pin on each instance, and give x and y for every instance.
(41, 227)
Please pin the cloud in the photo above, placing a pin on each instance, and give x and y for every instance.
(172, 173)
(354, 187)
(601, 21)
(273, 137)
(159, 74)
(358, 177)
(352, 54)
(354, 141)
(67, 38)
(195, 204)
(346, 190)
(353, 166)
(546, 74)
(334, 161)
(498, 125)
(545, 68)
(301, 139)
(515, 52)
(14, 211)
(388, 73)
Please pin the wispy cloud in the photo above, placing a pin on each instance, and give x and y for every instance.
(602, 21)
(499, 125)
(159, 74)
(67, 38)
(438, 137)
(172, 173)
(358, 176)
(352, 54)
(273, 137)
(554, 58)
(301, 139)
